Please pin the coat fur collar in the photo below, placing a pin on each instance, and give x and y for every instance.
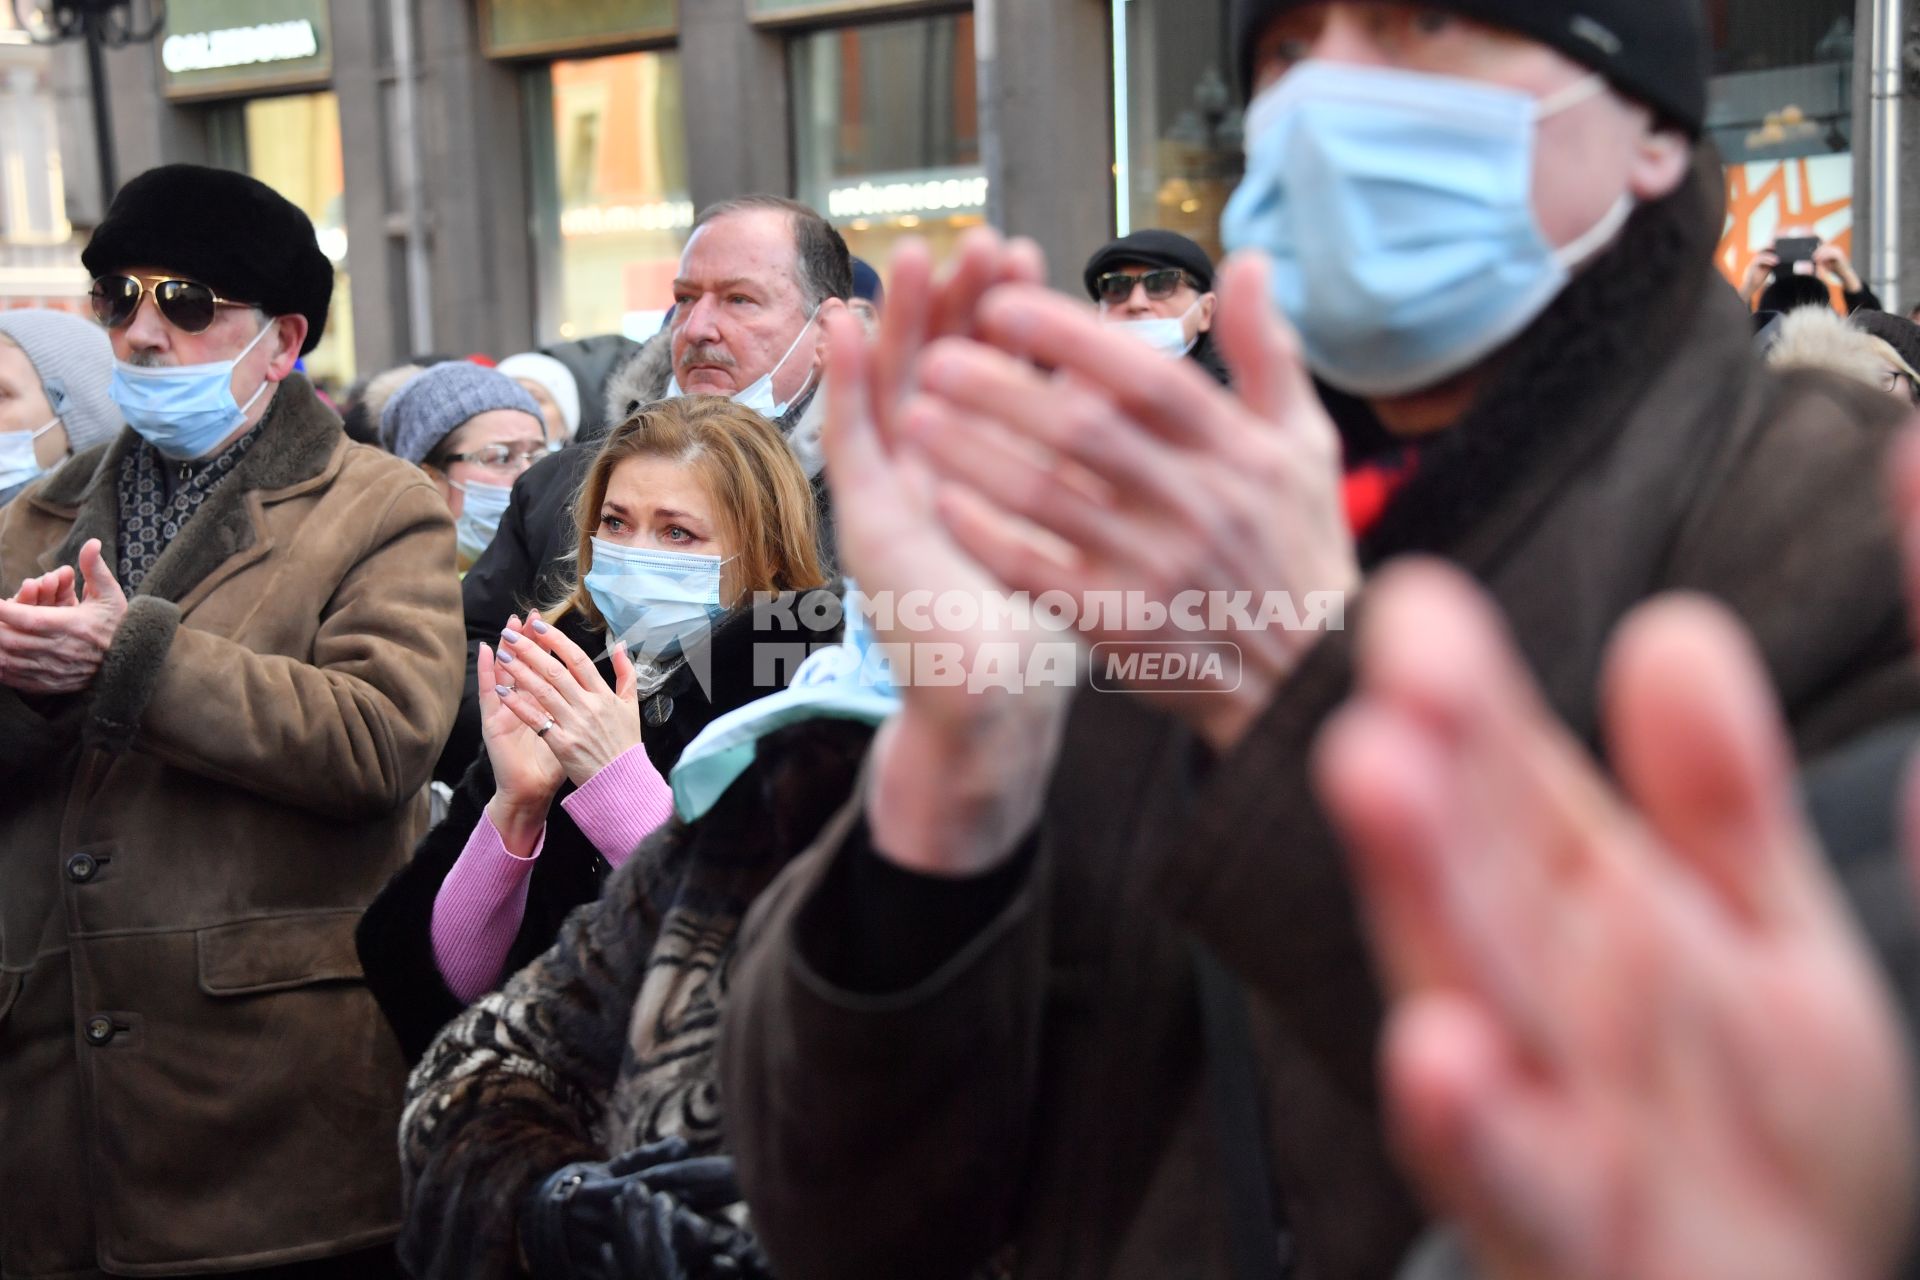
(300, 448)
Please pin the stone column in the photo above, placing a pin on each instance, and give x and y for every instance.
(735, 102)
(1046, 104)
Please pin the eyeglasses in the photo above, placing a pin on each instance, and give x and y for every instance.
(505, 455)
(188, 305)
(1117, 286)
(1891, 380)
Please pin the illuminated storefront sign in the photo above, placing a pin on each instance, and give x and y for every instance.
(207, 50)
(926, 193)
(240, 47)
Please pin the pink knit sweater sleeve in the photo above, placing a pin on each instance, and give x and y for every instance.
(477, 913)
(621, 805)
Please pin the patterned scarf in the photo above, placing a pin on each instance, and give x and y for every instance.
(149, 520)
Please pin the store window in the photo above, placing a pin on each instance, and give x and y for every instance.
(1781, 113)
(1177, 116)
(611, 209)
(887, 131)
(293, 145)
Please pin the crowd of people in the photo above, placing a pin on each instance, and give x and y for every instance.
(521, 820)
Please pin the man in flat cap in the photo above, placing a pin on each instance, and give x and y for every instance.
(232, 652)
(1097, 956)
(1158, 286)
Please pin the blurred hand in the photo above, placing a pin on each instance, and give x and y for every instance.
(1833, 261)
(1758, 271)
(959, 774)
(1627, 1043)
(53, 642)
(1148, 478)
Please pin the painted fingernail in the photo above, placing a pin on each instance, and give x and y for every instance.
(502, 690)
(504, 656)
(510, 637)
(540, 628)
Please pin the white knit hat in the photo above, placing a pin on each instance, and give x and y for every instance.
(74, 359)
(555, 377)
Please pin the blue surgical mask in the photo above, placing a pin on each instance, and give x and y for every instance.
(654, 602)
(481, 507)
(848, 681)
(758, 396)
(187, 410)
(18, 463)
(1398, 210)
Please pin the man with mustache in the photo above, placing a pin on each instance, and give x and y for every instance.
(758, 276)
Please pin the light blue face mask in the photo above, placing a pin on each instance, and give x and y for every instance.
(481, 507)
(846, 682)
(19, 464)
(187, 410)
(1398, 210)
(759, 395)
(654, 602)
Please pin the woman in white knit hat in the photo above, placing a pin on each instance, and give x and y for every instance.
(54, 370)
(553, 388)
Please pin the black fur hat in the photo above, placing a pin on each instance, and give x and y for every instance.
(223, 229)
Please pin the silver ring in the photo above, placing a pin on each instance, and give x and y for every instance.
(543, 730)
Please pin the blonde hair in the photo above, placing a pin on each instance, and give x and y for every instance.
(763, 503)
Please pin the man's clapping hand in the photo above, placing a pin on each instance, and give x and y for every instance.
(1627, 1043)
(53, 640)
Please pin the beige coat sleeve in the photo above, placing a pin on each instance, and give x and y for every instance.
(354, 732)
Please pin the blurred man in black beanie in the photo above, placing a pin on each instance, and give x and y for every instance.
(1491, 223)
(229, 655)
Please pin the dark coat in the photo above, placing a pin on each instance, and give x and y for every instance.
(572, 1059)
(395, 936)
(184, 852)
(1051, 1071)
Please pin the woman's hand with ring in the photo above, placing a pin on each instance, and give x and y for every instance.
(560, 696)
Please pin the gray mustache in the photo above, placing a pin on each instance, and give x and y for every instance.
(716, 356)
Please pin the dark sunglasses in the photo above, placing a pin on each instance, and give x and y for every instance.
(187, 305)
(1117, 286)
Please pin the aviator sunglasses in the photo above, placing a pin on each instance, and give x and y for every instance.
(187, 305)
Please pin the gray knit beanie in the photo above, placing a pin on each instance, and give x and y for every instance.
(74, 359)
(436, 403)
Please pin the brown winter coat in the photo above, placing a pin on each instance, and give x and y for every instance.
(1041, 1095)
(192, 1074)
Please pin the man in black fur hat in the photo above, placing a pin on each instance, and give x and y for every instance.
(229, 654)
(970, 1028)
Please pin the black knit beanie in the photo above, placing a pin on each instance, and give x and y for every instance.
(1652, 50)
(222, 229)
(1898, 332)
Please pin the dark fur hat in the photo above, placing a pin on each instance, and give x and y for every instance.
(223, 229)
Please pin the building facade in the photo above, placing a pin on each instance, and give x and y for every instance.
(490, 175)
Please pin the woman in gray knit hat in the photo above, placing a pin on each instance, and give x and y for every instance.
(54, 370)
(473, 431)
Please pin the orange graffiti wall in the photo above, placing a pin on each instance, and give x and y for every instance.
(1815, 193)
